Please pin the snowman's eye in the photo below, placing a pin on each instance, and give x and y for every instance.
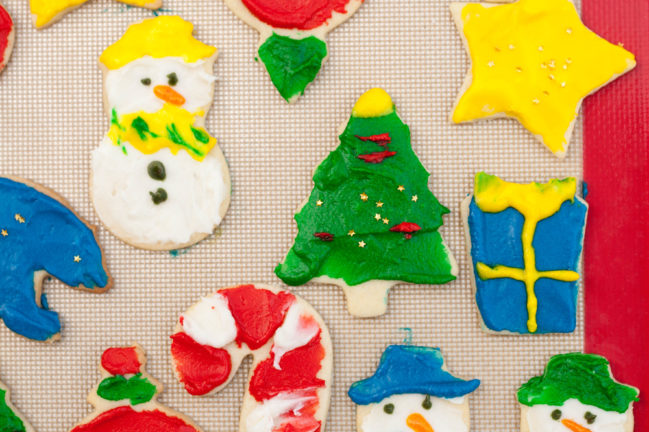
(389, 408)
(427, 403)
(146, 81)
(556, 414)
(590, 417)
(172, 79)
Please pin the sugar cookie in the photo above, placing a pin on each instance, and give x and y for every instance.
(47, 12)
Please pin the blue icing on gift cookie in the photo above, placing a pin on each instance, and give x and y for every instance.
(526, 243)
(39, 233)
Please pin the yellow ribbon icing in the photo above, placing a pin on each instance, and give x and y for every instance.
(534, 60)
(171, 127)
(45, 11)
(535, 201)
(163, 36)
(375, 102)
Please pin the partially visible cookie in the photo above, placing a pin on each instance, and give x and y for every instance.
(41, 235)
(47, 12)
(126, 398)
(7, 37)
(10, 419)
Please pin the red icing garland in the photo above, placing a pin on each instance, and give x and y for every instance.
(6, 27)
(324, 236)
(376, 157)
(120, 361)
(125, 419)
(382, 139)
(257, 313)
(299, 370)
(406, 227)
(201, 368)
(295, 14)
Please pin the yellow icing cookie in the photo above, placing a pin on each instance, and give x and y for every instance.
(46, 12)
(535, 61)
(373, 103)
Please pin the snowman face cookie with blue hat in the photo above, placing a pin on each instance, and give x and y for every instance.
(576, 393)
(412, 391)
(159, 181)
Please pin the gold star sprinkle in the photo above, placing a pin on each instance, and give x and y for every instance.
(77, 258)
(401, 188)
(364, 196)
(351, 233)
(19, 218)
(319, 203)
(361, 244)
(386, 221)
(379, 204)
(415, 198)
(377, 216)
(4, 233)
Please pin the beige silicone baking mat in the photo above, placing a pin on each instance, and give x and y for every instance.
(51, 118)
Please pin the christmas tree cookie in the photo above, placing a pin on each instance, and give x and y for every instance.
(126, 398)
(292, 43)
(10, 419)
(159, 181)
(411, 390)
(290, 378)
(576, 393)
(7, 36)
(41, 236)
(535, 61)
(47, 12)
(371, 221)
(525, 243)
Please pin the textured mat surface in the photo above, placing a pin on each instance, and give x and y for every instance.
(51, 118)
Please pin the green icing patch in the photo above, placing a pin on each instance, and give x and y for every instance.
(292, 63)
(9, 421)
(585, 377)
(336, 218)
(136, 389)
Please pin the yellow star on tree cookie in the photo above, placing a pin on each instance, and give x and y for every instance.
(535, 61)
(46, 12)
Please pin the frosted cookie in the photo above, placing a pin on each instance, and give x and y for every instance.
(290, 378)
(525, 243)
(47, 12)
(576, 393)
(7, 37)
(159, 181)
(535, 61)
(292, 43)
(40, 236)
(411, 390)
(371, 222)
(126, 398)
(10, 419)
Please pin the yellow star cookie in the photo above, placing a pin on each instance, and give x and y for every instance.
(535, 61)
(46, 12)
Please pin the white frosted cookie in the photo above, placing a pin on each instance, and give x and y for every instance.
(159, 180)
(47, 12)
(290, 379)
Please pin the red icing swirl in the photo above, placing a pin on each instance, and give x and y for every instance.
(6, 27)
(121, 361)
(125, 419)
(295, 14)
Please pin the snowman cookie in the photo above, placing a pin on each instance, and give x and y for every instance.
(41, 236)
(10, 419)
(576, 393)
(7, 37)
(290, 378)
(411, 390)
(47, 12)
(126, 398)
(159, 180)
(293, 35)
(534, 61)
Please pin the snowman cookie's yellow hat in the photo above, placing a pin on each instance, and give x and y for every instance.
(163, 36)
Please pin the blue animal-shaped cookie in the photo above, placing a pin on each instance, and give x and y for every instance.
(39, 236)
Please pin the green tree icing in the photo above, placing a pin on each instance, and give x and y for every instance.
(585, 377)
(136, 389)
(9, 421)
(292, 63)
(349, 227)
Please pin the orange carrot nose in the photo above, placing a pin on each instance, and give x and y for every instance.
(418, 423)
(168, 95)
(573, 426)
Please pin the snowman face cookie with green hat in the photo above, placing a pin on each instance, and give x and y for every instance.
(576, 393)
(412, 391)
(159, 181)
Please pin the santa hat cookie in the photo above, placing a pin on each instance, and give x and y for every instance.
(292, 37)
(371, 221)
(535, 61)
(576, 393)
(125, 399)
(159, 180)
(7, 37)
(47, 12)
(412, 391)
(10, 419)
(292, 368)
